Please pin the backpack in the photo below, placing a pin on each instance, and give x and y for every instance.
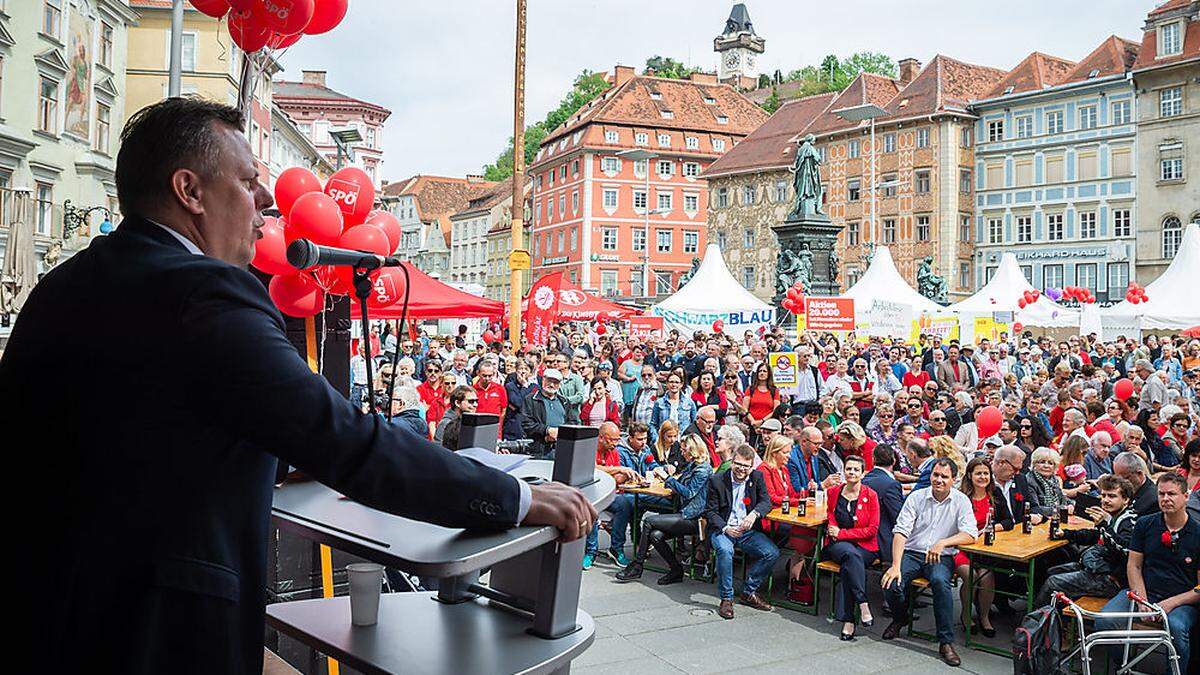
(1037, 643)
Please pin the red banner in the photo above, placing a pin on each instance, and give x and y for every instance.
(542, 308)
(645, 327)
(829, 313)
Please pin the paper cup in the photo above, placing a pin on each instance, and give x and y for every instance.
(365, 582)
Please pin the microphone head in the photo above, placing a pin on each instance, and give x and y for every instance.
(302, 254)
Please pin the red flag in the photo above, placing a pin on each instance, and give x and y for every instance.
(542, 309)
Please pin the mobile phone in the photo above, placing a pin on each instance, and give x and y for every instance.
(1084, 501)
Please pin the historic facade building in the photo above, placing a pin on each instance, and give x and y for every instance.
(618, 202)
(1166, 77)
(1054, 171)
(292, 147)
(499, 245)
(423, 205)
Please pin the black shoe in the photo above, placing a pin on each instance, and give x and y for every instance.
(672, 576)
(893, 629)
(868, 624)
(846, 637)
(985, 632)
(631, 572)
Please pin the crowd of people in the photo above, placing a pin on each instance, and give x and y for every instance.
(881, 431)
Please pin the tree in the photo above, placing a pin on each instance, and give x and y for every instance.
(834, 74)
(772, 103)
(665, 66)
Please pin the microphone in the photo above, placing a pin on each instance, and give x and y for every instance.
(303, 254)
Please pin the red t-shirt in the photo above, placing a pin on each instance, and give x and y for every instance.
(492, 399)
(920, 379)
(610, 458)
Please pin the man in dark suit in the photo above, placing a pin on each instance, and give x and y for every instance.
(891, 496)
(736, 505)
(1016, 485)
(161, 422)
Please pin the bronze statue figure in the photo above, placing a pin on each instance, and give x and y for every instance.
(806, 179)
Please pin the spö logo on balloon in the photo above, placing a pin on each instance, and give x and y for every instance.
(344, 193)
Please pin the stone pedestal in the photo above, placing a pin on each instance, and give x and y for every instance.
(811, 234)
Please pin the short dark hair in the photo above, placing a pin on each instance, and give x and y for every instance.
(164, 137)
(947, 462)
(856, 459)
(1172, 477)
(884, 455)
(638, 428)
(1111, 481)
(459, 394)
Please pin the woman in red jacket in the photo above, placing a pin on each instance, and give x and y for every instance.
(599, 407)
(852, 526)
(707, 393)
(434, 395)
(775, 474)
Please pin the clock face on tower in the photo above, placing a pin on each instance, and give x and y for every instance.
(731, 60)
(750, 61)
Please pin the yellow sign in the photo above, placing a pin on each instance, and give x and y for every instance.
(783, 368)
(519, 259)
(986, 327)
(944, 327)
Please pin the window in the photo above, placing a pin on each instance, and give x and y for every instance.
(995, 230)
(610, 165)
(662, 282)
(561, 241)
(608, 238)
(1054, 122)
(1054, 226)
(1054, 168)
(691, 203)
(923, 137)
(921, 181)
(667, 114)
(106, 44)
(722, 197)
(964, 275)
(692, 143)
(1118, 278)
(922, 228)
(1170, 102)
(562, 171)
(1085, 275)
(781, 191)
(103, 127)
(1024, 126)
(1087, 225)
(853, 190)
(1087, 117)
(575, 202)
(722, 119)
(748, 277)
(610, 198)
(748, 194)
(611, 137)
(574, 164)
(1170, 161)
(964, 180)
(608, 282)
(1121, 162)
(965, 137)
(691, 169)
(574, 239)
(852, 234)
(1, 79)
(1121, 112)
(665, 168)
(1024, 229)
(964, 228)
(852, 148)
(721, 240)
(1172, 235)
(638, 237)
(889, 185)
(1052, 275)
(889, 230)
(994, 175)
(45, 207)
(664, 140)
(995, 130)
(665, 201)
(52, 17)
(640, 167)
(748, 237)
(663, 240)
(635, 284)
(1023, 172)
(562, 205)
(639, 200)
(691, 242)
(1088, 166)
(48, 106)
(641, 138)
(889, 142)
(1122, 223)
(718, 145)
(1168, 39)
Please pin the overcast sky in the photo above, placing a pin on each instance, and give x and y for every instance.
(445, 68)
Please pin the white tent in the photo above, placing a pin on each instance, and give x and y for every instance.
(1002, 293)
(1172, 301)
(882, 281)
(713, 294)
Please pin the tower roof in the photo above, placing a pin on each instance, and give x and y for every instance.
(739, 20)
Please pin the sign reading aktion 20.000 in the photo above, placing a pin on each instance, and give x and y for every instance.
(829, 313)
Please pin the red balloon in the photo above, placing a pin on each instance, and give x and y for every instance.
(601, 329)
(1018, 327)
(988, 421)
(388, 288)
(327, 14)
(354, 193)
(718, 326)
(241, 5)
(1036, 294)
(390, 225)
(270, 251)
(248, 32)
(1021, 303)
(365, 237)
(316, 217)
(214, 8)
(281, 41)
(1123, 388)
(297, 295)
(287, 17)
(293, 182)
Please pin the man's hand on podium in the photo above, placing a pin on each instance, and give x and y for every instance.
(561, 506)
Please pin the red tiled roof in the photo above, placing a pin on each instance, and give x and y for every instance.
(1114, 56)
(287, 92)
(866, 88)
(1147, 57)
(1037, 71)
(771, 145)
(438, 197)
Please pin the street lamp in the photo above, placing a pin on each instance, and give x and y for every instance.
(858, 113)
(76, 218)
(637, 155)
(342, 138)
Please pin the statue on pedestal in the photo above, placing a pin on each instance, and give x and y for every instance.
(929, 284)
(806, 179)
(687, 276)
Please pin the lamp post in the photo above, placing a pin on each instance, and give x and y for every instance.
(76, 218)
(342, 138)
(637, 155)
(858, 113)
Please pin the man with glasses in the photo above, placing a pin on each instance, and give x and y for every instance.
(544, 412)
(1154, 388)
(937, 424)
(914, 414)
(612, 461)
(737, 505)
(1016, 486)
(705, 426)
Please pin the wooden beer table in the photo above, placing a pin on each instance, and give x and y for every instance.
(654, 489)
(813, 519)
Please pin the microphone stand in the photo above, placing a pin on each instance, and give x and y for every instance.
(362, 290)
(399, 330)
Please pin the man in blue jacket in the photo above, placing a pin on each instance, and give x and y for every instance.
(891, 496)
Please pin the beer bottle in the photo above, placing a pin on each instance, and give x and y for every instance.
(1027, 523)
(785, 507)
(802, 503)
(989, 529)
(1054, 525)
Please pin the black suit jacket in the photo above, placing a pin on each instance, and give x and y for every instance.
(891, 499)
(1028, 500)
(719, 503)
(154, 391)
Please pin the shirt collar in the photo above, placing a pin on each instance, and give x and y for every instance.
(187, 243)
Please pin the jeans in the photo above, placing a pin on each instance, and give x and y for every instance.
(1181, 621)
(939, 574)
(853, 560)
(761, 552)
(1074, 582)
(621, 510)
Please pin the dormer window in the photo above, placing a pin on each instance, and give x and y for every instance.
(710, 100)
(1169, 42)
(664, 140)
(1093, 73)
(722, 119)
(610, 137)
(1008, 90)
(641, 138)
(656, 96)
(667, 115)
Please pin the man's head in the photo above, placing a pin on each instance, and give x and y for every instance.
(884, 456)
(917, 451)
(706, 419)
(1101, 444)
(1172, 493)
(1115, 493)
(460, 360)
(610, 436)
(185, 163)
(810, 440)
(941, 477)
(638, 434)
(1007, 462)
(1072, 420)
(551, 381)
(1129, 466)
(743, 463)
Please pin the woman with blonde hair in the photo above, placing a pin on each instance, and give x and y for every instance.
(853, 441)
(775, 475)
(944, 446)
(666, 445)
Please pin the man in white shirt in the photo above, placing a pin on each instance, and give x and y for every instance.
(933, 521)
(358, 376)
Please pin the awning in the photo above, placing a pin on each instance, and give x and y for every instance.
(431, 299)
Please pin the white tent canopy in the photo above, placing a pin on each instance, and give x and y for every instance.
(882, 281)
(1172, 301)
(1002, 293)
(713, 294)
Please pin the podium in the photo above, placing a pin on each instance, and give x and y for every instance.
(525, 619)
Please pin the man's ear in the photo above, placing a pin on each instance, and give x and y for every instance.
(187, 189)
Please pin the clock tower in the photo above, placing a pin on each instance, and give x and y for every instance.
(738, 49)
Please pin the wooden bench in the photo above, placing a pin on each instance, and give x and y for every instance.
(834, 569)
(273, 665)
(1093, 604)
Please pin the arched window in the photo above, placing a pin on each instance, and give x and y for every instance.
(1172, 234)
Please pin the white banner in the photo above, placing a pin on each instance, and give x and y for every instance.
(1112, 327)
(885, 318)
(735, 322)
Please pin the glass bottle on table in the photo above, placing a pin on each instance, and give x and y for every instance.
(989, 528)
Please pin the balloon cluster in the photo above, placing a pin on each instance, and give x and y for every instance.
(1136, 293)
(336, 214)
(254, 24)
(794, 301)
(1028, 298)
(1079, 293)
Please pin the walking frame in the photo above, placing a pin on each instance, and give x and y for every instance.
(1151, 635)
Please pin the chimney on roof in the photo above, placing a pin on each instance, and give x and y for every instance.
(314, 77)
(622, 74)
(474, 178)
(703, 78)
(908, 70)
